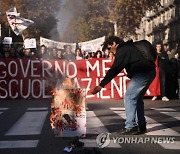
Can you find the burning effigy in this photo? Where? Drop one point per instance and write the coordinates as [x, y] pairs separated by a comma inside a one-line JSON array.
[[68, 110]]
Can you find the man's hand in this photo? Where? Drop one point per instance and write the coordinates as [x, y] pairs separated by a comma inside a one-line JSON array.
[[96, 90]]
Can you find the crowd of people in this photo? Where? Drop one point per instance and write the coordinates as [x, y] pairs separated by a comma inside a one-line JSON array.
[[43, 52], [168, 62]]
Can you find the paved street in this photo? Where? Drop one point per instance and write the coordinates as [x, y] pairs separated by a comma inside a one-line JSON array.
[[25, 128]]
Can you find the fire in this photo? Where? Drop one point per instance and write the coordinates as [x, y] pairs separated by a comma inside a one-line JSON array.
[[68, 104], [67, 83]]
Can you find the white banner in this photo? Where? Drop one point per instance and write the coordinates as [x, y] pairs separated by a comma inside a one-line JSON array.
[[30, 43], [55, 44], [17, 23], [93, 45]]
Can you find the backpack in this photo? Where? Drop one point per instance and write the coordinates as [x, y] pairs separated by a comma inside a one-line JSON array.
[[146, 49]]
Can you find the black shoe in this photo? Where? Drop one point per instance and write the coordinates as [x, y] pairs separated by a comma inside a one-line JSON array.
[[142, 128], [76, 143], [131, 131]]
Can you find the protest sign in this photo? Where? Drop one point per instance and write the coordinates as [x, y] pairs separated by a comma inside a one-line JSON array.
[[7, 40], [30, 43]]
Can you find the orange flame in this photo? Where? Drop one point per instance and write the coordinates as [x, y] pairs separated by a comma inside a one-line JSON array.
[[67, 98]]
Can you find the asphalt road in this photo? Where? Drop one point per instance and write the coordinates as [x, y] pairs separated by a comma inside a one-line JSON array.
[[25, 128]]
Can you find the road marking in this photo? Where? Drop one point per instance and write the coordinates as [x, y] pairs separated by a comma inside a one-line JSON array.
[[156, 128], [153, 126], [29, 124], [94, 125], [120, 111], [92, 143], [37, 108], [3, 108], [118, 108], [163, 109], [174, 146], [175, 115], [18, 144]]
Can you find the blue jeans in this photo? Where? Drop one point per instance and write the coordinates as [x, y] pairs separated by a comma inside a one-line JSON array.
[[133, 99]]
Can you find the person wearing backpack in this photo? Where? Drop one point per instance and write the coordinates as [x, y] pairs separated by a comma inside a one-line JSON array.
[[140, 70]]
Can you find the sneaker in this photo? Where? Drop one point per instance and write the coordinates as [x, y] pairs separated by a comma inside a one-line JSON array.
[[129, 131], [165, 99], [142, 128], [68, 149], [76, 143], [154, 98]]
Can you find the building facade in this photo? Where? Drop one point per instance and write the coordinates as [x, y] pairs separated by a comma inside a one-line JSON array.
[[162, 25]]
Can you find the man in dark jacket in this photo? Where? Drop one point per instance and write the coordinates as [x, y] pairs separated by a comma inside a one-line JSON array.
[[163, 61], [68, 55], [140, 71]]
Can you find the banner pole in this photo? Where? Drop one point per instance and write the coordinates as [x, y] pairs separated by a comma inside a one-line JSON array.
[[9, 32]]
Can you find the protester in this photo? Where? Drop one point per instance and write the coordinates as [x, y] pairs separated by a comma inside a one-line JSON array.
[[172, 76], [83, 54], [98, 54], [6, 48], [42, 54], [6, 54], [168, 51], [177, 56], [163, 61], [111, 55], [140, 71], [78, 54], [93, 55], [59, 54], [68, 55], [14, 53], [1, 56], [33, 53], [106, 53], [53, 53], [103, 54], [87, 55], [49, 53], [27, 53], [21, 52]]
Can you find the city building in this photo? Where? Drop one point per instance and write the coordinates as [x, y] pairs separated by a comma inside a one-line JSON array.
[[162, 24]]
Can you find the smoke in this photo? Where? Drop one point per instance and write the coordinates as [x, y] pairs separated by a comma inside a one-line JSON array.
[[69, 9]]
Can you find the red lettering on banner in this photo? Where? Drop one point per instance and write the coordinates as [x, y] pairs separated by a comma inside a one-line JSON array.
[[25, 78]]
